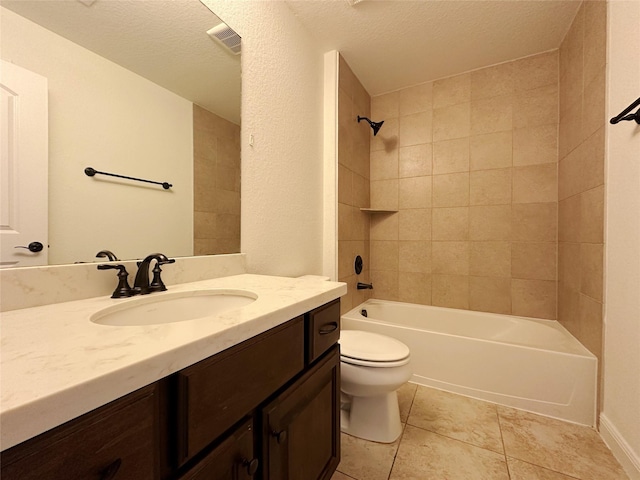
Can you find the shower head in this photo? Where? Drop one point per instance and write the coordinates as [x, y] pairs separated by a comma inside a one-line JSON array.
[[375, 125]]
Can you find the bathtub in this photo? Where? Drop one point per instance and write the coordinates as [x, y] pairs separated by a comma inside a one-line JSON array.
[[525, 363]]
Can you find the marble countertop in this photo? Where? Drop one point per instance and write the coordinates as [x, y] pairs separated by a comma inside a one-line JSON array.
[[55, 364]]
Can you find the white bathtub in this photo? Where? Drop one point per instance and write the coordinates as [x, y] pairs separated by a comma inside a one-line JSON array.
[[525, 363]]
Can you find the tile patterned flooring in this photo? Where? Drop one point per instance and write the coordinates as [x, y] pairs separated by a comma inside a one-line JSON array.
[[451, 437]]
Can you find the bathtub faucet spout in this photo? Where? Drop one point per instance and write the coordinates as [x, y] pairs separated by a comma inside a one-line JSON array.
[[364, 286]]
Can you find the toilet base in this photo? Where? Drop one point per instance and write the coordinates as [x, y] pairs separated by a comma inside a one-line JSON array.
[[375, 418]]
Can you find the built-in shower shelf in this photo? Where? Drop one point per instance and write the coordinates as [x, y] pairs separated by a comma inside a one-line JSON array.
[[378, 210]]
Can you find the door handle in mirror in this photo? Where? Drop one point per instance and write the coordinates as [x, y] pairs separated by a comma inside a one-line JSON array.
[[34, 247]]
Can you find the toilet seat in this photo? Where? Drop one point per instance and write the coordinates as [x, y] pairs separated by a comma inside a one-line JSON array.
[[372, 350]]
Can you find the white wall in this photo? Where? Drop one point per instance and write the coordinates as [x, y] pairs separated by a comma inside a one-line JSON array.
[[282, 107], [104, 116], [620, 420]]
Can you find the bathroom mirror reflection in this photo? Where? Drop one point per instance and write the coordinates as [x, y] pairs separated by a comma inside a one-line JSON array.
[[135, 88]]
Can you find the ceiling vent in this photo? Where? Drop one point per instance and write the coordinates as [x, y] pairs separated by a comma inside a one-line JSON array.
[[225, 35]]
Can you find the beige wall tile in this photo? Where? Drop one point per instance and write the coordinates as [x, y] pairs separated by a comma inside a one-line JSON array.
[[569, 219], [490, 259], [416, 129], [450, 291], [452, 91], [569, 309], [384, 194], [490, 294], [592, 215], [345, 185], [535, 145], [452, 122], [414, 256], [345, 222], [451, 156], [569, 175], [491, 115], [450, 258], [415, 161], [384, 255], [570, 130], [416, 99], [385, 284], [591, 270], [536, 107], [569, 265], [347, 251], [571, 61], [415, 192], [591, 324], [361, 189], [490, 222], [385, 106], [594, 116], [595, 38], [450, 223], [492, 150], [361, 223], [205, 246], [535, 261], [492, 81], [490, 187], [592, 153], [414, 224], [451, 190], [384, 165], [534, 222], [533, 298], [384, 226], [536, 71], [535, 184], [204, 225], [414, 288]]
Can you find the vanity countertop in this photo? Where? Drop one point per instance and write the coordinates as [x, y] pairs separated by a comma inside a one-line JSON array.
[[56, 364]]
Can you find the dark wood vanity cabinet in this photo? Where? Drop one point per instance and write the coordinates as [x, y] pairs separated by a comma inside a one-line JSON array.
[[265, 409], [117, 441]]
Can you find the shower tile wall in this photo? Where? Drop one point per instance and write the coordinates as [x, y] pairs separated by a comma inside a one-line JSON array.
[[353, 184], [581, 176], [470, 163], [216, 152]]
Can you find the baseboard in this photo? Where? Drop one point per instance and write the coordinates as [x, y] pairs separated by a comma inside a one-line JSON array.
[[620, 448]]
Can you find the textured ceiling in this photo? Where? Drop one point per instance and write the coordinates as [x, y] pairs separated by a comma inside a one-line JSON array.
[[164, 41], [393, 44]]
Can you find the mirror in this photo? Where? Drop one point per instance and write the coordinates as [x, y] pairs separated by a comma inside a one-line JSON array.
[[140, 89]]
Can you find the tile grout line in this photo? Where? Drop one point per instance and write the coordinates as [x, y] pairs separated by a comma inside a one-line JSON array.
[[504, 448], [395, 455]]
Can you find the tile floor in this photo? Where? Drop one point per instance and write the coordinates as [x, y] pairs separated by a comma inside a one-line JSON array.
[[451, 437]]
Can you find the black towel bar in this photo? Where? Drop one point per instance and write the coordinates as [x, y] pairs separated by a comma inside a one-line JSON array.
[[90, 172], [633, 116]]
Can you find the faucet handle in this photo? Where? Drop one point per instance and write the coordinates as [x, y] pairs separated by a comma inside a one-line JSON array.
[[123, 289], [157, 285]]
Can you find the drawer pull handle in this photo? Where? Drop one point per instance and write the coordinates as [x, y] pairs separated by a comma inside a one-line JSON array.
[[280, 436], [110, 471], [328, 328], [251, 466]]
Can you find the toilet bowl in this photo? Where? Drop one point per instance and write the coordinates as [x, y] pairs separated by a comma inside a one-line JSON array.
[[372, 368]]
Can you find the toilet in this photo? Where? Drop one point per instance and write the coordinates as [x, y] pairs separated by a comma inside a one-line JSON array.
[[372, 368]]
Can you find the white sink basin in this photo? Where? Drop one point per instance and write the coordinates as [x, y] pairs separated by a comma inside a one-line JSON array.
[[158, 308]]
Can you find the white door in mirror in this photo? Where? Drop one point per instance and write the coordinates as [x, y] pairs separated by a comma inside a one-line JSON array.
[[24, 153]]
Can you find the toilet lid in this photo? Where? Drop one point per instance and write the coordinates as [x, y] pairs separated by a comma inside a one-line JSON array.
[[371, 347]]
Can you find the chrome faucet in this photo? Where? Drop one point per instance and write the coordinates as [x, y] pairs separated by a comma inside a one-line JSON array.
[[141, 284]]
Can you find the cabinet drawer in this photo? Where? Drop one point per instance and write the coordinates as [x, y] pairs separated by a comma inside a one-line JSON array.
[[216, 393], [232, 459], [117, 441], [323, 329]]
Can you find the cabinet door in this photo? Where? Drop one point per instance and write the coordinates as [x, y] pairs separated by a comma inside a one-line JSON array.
[[232, 459], [115, 442], [301, 427]]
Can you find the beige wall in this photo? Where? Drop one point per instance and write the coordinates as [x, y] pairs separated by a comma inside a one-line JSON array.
[[581, 176], [216, 184], [470, 162], [353, 184]]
